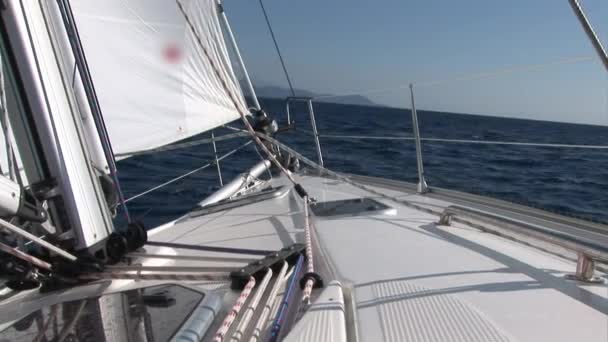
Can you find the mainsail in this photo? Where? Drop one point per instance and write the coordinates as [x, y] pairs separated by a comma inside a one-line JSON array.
[[154, 83]]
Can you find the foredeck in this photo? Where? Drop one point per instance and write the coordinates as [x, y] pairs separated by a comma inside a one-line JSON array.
[[403, 277], [412, 279]]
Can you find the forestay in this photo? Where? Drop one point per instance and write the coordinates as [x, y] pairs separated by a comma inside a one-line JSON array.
[[154, 83]]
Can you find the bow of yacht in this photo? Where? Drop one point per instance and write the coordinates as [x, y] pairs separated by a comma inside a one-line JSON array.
[[306, 254]]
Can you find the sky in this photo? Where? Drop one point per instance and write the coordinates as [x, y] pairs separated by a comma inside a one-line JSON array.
[[354, 46]]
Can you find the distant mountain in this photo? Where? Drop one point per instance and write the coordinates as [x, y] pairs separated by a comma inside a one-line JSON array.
[[359, 100], [280, 92]]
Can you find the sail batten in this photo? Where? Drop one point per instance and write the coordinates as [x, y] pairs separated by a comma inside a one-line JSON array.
[[154, 84]]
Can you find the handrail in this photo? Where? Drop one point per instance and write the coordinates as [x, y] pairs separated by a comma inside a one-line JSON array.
[[173, 180], [422, 187], [587, 250], [313, 122], [458, 141]]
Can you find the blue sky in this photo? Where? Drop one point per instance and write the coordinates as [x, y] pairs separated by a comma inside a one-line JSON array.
[[349, 46]]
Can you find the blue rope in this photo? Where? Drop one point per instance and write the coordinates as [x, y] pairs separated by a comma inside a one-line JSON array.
[[282, 314]]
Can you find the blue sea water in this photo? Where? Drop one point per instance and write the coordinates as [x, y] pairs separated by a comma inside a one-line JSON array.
[[565, 180]]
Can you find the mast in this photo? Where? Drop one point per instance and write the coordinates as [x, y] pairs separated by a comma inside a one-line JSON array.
[[597, 44], [79, 210]]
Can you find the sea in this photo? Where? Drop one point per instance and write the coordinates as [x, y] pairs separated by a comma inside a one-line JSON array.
[[570, 181]]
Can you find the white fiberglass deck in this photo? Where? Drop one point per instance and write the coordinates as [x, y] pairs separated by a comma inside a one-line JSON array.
[[414, 280], [396, 276]]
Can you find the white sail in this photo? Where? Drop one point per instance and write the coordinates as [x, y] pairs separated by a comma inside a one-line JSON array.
[[154, 83]]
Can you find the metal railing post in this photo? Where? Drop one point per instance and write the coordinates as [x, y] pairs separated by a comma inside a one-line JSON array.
[[287, 111], [314, 131], [217, 162], [237, 52], [422, 187]]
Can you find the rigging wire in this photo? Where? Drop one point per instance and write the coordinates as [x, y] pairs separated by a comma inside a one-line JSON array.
[[173, 180], [217, 163], [234, 101], [276, 46], [345, 178], [467, 77], [463, 141]]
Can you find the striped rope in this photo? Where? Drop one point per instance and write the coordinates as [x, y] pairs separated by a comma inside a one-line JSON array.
[[256, 335], [310, 268], [221, 332], [24, 256], [37, 240], [248, 313]]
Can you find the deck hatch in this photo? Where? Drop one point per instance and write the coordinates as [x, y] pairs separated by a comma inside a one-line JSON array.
[[351, 207], [152, 313]]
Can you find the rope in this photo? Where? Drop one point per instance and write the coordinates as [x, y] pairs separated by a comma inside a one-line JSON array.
[[463, 141], [310, 282], [232, 97], [221, 332], [187, 174], [157, 276], [282, 314], [276, 46], [346, 179], [244, 323], [180, 269], [189, 257], [272, 297], [37, 240], [24, 256], [211, 248]]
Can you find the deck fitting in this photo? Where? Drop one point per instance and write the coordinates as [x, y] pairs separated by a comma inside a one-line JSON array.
[[585, 268], [257, 268]]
